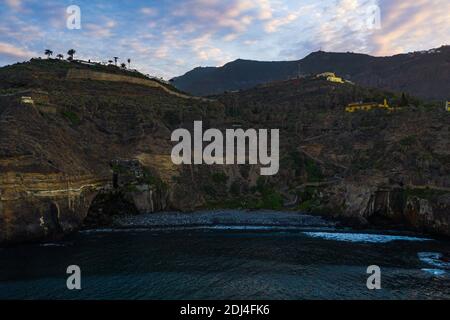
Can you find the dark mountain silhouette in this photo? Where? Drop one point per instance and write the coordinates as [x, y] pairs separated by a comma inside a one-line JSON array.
[[425, 74]]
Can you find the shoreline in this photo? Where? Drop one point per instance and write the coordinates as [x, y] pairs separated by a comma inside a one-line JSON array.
[[222, 217], [250, 219], [236, 220]]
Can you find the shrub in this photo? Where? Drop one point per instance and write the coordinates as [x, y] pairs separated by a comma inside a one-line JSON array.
[[408, 141], [219, 177], [235, 188], [272, 200], [313, 171], [72, 117]]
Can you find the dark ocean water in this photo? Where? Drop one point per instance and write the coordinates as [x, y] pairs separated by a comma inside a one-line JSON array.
[[226, 263]]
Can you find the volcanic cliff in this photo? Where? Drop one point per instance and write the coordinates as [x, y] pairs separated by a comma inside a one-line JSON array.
[[80, 143]]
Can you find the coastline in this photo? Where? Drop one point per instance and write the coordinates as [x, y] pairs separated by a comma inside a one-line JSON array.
[[260, 220], [222, 217]]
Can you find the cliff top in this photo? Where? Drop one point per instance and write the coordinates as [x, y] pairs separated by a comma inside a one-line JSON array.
[[28, 74]]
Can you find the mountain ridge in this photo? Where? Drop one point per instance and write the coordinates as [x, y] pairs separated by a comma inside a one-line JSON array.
[[425, 74]]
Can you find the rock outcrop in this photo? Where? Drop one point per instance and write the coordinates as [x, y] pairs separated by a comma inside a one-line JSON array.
[[38, 205]]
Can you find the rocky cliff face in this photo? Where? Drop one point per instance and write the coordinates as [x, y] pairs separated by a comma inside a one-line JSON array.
[[370, 167], [85, 149], [59, 152], [424, 210]]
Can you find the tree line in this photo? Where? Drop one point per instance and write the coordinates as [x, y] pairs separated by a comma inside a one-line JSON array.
[[71, 54]]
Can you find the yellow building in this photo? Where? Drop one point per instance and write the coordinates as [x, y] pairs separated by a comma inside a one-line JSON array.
[[447, 106], [352, 107], [330, 76], [335, 79], [325, 75], [27, 100]]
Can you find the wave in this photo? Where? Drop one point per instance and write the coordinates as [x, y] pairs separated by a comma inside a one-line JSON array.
[[52, 245], [320, 232], [254, 228], [112, 230], [362, 237], [434, 259], [435, 272]]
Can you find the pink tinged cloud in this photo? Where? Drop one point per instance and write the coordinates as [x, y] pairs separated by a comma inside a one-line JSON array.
[[412, 25], [275, 24], [12, 51], [14, 4]]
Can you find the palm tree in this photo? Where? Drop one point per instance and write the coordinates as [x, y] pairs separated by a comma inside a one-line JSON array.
[[71, 53], [48, 53], [129, 63], [123, 66], [110, 61], [115, 60], [60, 56]]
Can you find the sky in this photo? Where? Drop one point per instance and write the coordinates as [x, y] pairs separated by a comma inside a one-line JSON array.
[[167, 38]]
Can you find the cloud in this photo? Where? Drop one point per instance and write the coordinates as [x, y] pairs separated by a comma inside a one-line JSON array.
[[273, 25], [342, 25], [231, 37], [412, 25], [101, 31], [210, 54], [149, 11], [13, 51], [265, 10], [235, 15], [172, 37], [13, 28], [14, 4], [161, 52]]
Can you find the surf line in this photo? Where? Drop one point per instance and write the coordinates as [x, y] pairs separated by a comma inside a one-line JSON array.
[[231, 150]]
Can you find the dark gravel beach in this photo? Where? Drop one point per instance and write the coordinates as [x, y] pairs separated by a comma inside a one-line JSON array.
[[223, 217]]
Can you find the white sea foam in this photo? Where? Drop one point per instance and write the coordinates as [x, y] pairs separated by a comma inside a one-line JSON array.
[[362, 237], [252, 228], [328, 235], [434, 259], [435, 272], [111, 230], [52, 245]]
